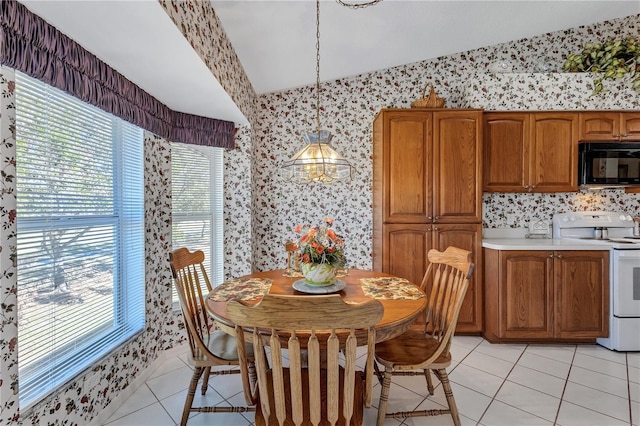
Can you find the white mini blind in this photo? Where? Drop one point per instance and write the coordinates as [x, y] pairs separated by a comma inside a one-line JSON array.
[[197, 205], [80, 235]]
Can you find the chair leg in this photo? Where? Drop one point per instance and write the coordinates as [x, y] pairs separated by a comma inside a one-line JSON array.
[[205, 380], [448, 393], [377, 372], [427, 376], [197, 373], [384, 397]]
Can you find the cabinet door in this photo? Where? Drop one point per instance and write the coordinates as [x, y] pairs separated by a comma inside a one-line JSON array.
[[581, 294], [406, 248], [505, 148], [630, 126], [599, 126], [457, 167], [526, 294], [554, 152], [467, 237], [407, 168]]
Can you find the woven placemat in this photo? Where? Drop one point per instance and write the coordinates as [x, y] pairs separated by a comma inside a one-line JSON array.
[[241, 289], [389, 288]]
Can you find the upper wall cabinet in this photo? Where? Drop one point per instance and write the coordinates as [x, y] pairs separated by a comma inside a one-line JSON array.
[[609, 126], [427, 164], [530, 152]]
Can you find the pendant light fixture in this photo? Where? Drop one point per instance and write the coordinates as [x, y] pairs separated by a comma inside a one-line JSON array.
[[317, 161]]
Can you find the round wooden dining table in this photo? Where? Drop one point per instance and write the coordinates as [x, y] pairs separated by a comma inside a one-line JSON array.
[[399, 313]]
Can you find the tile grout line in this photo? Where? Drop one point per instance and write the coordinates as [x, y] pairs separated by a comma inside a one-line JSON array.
[[501, 385], [564, 388], [599, 390]]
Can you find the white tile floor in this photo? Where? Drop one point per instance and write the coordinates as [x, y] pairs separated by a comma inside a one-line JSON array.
[[493, 385]]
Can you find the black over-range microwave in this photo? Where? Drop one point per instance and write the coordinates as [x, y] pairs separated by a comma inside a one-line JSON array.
[[609, 164]]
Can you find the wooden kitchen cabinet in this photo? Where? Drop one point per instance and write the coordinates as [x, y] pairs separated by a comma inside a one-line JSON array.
[[407, 258], [543, 295], [530, 152], [427, 193], [426, 166], [603, 126]]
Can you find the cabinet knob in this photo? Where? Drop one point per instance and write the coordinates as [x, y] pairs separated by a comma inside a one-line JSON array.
[[430, 217], [551, 255], [526, 187], [437, 218], [625, 135], [435, 229], [559, 256]]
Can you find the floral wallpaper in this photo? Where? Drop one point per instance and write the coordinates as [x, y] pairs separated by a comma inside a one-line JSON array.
[[9, 411], [349, 106], [201, 27], [261, 211]]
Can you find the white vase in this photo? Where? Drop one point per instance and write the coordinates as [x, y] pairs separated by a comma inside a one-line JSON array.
[[319, 273]]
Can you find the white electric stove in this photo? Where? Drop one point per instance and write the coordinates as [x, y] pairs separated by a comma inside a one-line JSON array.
[[614, 231]]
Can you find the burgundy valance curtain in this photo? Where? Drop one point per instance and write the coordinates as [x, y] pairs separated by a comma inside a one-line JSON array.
[[31, 45]]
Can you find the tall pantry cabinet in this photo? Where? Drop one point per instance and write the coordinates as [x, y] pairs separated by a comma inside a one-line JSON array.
[[427, 193]]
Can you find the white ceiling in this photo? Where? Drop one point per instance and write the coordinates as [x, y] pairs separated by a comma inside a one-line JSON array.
[[137, 38], [275, 40]]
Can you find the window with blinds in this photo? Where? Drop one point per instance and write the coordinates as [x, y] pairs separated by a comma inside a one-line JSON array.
[[197, 222], [80, 235]]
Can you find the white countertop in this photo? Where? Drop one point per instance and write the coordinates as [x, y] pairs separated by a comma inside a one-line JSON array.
[[514, 239], [538, 244]]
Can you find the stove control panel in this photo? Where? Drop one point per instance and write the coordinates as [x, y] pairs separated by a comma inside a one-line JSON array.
[[592, 219]]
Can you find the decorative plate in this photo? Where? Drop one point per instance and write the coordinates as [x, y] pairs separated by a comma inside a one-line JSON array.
[[303, 287]]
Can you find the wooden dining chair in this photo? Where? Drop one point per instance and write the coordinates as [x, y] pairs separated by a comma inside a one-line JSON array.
[[419, 351], [209, 347], [323, 331]]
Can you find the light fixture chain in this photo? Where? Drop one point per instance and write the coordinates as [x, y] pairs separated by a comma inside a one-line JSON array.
[[358, 5], [318, 65]]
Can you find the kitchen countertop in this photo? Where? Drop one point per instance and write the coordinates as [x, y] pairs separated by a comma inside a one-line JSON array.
[[538, 244], [515, 239]]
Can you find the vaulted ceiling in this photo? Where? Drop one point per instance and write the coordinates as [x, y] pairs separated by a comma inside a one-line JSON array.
[[275, 40]]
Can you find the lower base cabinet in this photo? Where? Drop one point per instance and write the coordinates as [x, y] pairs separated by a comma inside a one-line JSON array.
[[406, 256], [546, 295]]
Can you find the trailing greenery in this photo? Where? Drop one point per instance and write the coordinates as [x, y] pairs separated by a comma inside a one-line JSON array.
[[614, 58]]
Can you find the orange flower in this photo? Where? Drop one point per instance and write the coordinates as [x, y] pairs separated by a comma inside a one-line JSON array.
[[313, 232], [328, 220], [306, 258], [297, 229], [331, 234], [331, 250], [319, 248], [304, 238]]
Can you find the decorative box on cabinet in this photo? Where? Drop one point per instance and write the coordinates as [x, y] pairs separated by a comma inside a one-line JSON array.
[[427, 193], [544, 295], [530, 152], [603, 126]]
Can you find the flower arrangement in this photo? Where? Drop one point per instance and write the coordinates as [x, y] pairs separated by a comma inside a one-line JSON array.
[[320, 245]]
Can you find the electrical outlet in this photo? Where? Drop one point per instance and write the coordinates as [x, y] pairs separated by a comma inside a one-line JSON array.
[[91, 381]]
